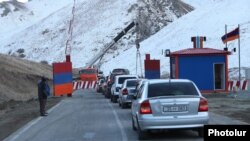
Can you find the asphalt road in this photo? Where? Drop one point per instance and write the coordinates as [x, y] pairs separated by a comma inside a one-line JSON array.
[[88, 116]]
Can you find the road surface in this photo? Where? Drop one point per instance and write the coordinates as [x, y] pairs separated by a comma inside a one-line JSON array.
[[88, 116]]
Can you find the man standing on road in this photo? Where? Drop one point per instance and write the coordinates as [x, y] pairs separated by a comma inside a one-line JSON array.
[[43, 92]]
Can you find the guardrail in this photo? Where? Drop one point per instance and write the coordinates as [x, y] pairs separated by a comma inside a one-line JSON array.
[[234, 85], [84, 85]]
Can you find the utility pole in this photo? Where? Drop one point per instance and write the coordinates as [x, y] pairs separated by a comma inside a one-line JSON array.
[[239, 57], [226, 34], [138, 54]]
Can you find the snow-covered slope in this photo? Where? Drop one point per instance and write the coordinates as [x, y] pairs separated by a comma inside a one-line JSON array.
[[39, 31], [42, 36], [15, 16], [208, 19], [94, 22]]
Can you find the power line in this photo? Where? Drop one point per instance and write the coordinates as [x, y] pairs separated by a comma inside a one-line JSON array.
[[241, 24]]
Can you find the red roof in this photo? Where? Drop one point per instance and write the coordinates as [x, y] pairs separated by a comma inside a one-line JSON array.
[[199, 51]]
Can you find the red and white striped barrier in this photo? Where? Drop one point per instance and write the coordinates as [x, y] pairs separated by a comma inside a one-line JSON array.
[[84, 85], [235, 85]]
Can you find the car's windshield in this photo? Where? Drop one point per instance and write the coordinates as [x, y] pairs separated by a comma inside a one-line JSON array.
[[170, 89]]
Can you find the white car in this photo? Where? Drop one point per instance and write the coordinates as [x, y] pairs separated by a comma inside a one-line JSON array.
[[169, 104], [127, 92], [119, 79]]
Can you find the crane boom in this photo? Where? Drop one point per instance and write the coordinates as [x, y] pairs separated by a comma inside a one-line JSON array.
[[93, 60]]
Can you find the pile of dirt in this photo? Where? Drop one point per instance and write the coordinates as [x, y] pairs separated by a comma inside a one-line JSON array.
[[18, 79], [18, 92], [235, 106], [18, 113]]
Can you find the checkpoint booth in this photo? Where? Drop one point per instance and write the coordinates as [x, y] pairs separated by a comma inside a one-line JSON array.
[[206, 67]]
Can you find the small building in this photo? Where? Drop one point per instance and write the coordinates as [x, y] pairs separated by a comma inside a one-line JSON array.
[[206, 67]]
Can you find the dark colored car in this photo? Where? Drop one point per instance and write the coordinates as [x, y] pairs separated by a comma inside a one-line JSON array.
[[99, 88], [120, 71], [111, 77]]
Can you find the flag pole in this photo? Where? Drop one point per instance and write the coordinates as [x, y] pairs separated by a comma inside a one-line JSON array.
[[226, 33], [239, 57]]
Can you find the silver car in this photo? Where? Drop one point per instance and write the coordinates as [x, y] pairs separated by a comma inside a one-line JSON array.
[[118, 81], [169, 104], [127, 92]]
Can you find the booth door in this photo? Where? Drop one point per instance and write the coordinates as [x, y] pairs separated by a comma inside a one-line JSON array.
[[219, 76]]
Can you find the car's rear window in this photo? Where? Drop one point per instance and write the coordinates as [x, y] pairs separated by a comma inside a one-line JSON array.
[[112, 77], [121, 71], [122, 79], [132, 83], [171, 89]]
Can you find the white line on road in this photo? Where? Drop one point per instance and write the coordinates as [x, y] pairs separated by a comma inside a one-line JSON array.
[[29, 125], [25, 129], [53, 108], [124, 136]]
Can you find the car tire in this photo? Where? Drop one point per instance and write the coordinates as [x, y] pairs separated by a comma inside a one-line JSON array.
[[114, 99], [119, 103], [200, 132], [141, 133], [111, 98], [123, 105], [133, 124], [106, 95]]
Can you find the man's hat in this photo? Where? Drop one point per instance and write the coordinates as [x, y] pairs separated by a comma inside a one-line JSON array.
[[43, 78]]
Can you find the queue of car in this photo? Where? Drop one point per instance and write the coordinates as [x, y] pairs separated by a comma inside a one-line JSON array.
[[158, 103]]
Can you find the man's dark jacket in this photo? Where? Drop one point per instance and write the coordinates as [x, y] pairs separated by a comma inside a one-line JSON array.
[[42, 90]]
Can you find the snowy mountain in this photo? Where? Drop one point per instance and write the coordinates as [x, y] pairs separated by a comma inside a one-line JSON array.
[[208, 19], [16, 16], [42, 33], [38, 34]]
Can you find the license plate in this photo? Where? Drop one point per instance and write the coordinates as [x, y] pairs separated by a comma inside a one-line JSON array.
[[130, 97], [175, 108]]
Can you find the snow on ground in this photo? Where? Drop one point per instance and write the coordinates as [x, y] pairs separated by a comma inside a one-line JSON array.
[[35, 10], [208, 19], [96, 23], [41, 31]]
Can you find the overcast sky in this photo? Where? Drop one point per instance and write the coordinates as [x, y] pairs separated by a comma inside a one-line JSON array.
[[17, 0]]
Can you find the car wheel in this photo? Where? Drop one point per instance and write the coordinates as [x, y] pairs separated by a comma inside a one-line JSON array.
[[133, 124], [111, 98], [123, 105], [141, 133], [119, 103], [114, 99], [118, 100], [200, 132]]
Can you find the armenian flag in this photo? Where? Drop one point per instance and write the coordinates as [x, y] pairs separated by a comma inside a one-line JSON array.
[[231, 35], [62, 78]]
